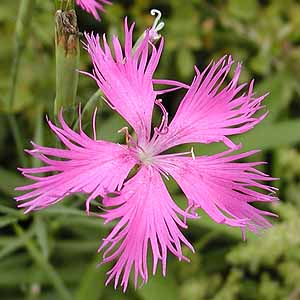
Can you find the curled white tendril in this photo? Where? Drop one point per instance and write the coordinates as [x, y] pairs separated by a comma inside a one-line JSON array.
[[157, 25], [153, 32]]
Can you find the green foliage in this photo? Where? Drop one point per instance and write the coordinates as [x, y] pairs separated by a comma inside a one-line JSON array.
[[51, 254]]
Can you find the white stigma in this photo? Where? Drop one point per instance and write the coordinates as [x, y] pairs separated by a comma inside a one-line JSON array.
[[153, 31], [157, 25]]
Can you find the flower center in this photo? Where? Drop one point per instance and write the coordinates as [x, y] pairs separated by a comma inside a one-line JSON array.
[[145, 156]]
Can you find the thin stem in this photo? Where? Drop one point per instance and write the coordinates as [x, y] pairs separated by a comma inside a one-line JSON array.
[[14, 77], [90, 104], [18, 139], [21, 33], [42, 262], [22, 28], [39, 132]]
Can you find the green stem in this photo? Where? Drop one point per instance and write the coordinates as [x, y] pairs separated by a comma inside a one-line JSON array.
[[40, 260], [22, 29], [14, 77], [39, 132], [18, 139], [89, 106]]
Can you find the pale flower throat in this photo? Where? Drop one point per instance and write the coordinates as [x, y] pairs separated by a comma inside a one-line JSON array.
[[145, 156]]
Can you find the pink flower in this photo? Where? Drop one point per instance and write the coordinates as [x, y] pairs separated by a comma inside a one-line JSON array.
[[93, 6], [147, 217]]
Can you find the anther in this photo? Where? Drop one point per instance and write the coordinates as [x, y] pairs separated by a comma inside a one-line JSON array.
[[127, 136]]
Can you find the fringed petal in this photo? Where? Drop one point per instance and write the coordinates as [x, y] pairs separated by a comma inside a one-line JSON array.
[[209, 113], [93, 6], [147, 218], [86, 165], [125, 78], [222, 187]]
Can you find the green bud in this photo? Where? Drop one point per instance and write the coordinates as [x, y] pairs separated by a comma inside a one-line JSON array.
[[67, 61]]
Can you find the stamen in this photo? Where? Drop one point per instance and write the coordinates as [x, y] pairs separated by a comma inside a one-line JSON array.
[[128, 138], [108, 103], [163, 127], [80, 117], [94, 123], [164, 175], [162, 172], [193, 153], [127, 135]]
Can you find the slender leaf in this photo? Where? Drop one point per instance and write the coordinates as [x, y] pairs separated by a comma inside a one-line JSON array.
[[15, 244], [4, 221], [91, 285], [9, 180]]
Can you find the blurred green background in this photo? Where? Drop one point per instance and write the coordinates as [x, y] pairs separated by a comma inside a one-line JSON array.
[[51, 254]]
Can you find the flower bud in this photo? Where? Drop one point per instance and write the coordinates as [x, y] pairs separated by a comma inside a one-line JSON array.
[[67, 61]]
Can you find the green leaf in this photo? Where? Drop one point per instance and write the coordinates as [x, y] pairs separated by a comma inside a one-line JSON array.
[[185, 62], [280, 88], [92, 285], [42, 235], [49, 270], [11, 211], [160, 287], [9, 181], [78, 246], [108, 129], [4, 221], [245, 9], [86, 221], [78, 217], [15, 244], [207, 224], [59, 210], [267, 137]]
